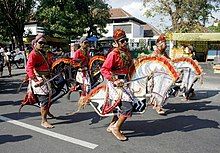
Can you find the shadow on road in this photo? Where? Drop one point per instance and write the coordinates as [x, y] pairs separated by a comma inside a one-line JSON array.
[[11, 138], [78, 117], [13, 103], [178, 123], [186, 106], [21, 115], [201, 94], [15, 74], [10, 86]]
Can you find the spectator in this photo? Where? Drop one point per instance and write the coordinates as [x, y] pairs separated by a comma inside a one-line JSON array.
[[74, 47], [5, 55], [7, 59], [1, 60]]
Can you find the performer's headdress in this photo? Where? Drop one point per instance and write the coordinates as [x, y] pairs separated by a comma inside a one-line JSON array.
[[119, 34], [162, 38], [83, 39], [38, 36], [190, 47]]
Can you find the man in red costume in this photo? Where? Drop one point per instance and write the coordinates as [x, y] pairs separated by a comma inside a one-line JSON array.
[[161, 47], [38, 71], [160, 50], [82, 55], [116, 70]]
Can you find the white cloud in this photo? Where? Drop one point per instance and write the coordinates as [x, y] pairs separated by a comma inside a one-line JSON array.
[[134, 8]]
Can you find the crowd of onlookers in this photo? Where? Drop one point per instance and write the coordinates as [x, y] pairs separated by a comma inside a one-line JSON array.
[[10, 58], [5, 56]]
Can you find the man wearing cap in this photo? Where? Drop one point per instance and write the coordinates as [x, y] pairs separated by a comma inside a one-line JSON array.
[[82, 55], [116, 70], [188, 52], [161, 47], [38, 71]]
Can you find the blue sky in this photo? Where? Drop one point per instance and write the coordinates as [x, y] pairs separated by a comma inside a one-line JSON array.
[[136, 9]]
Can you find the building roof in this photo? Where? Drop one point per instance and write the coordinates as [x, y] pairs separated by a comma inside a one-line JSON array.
[[118, 13], [31, 22], [153, 31]]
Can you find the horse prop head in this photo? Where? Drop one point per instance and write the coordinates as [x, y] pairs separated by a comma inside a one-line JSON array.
[[161, 74], [190, 73]]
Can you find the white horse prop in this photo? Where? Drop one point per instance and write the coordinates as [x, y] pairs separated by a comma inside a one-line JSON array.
[[151, 78], [190, 73]]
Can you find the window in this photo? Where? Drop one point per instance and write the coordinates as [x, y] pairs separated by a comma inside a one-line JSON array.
[[125, 27]]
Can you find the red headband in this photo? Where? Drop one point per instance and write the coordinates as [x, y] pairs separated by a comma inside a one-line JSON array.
[[118, 34], [161, 38], [38, 36]]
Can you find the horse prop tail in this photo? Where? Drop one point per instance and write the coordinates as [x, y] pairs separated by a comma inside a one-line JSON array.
[[80, 105], [85, 99]]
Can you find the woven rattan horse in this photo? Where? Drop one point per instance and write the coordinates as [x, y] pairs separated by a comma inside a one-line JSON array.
[[69, 69], [190, 73], [151, 78]]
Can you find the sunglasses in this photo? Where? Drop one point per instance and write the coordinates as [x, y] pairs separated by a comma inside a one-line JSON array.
[[124, 40], [41, 42]]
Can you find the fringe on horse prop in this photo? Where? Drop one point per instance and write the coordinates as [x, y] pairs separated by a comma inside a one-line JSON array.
[[151, 78]]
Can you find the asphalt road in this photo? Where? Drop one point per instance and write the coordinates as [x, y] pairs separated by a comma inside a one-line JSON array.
[[189, 127]]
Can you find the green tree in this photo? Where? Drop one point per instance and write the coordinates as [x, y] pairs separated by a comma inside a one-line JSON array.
[[186, 15], [13, 15], [214, 28], [72, 18], [4, 29]]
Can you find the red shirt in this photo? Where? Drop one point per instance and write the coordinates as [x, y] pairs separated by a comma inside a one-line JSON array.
[[36, 62], [82, 56], [114, 64]]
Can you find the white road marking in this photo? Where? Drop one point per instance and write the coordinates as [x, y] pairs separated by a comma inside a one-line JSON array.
[[50, 133]]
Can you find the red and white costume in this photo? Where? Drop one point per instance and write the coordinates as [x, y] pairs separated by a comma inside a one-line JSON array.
[[82, 75], [114, 64], [117, 64], [38, 67]]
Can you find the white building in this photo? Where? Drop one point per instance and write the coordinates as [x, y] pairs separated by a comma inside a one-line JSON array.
[[139, 32], [31, 28]]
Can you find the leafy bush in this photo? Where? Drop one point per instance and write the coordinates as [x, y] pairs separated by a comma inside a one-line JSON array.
[[136, 52]]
